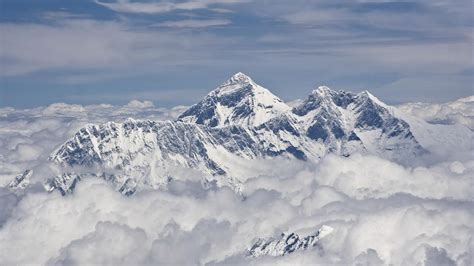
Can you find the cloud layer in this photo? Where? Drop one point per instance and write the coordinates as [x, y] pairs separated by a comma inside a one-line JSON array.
[[98, 225]]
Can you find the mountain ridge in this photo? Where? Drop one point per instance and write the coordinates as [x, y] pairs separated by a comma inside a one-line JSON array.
[[241, 120]]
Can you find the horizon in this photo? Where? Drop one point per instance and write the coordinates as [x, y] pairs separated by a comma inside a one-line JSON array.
[[172, 53], [157, 105]]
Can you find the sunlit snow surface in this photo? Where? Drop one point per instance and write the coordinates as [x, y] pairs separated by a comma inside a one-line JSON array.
[[380, 212]]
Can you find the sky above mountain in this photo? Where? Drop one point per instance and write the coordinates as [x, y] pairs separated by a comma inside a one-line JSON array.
[[174, 52]]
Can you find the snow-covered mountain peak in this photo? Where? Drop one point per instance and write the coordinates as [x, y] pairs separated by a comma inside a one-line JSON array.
[[237, 83], [367, 96], [238, 101], [323, 91], [238, 78], [326, 98], [322, 97]]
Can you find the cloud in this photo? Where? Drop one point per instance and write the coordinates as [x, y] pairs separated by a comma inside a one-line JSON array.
[[110, 243], [86, 45], [431, 226], [127, 6], [8, 201], [388, 15], [63, 109], [460, 111], [197, 244], [376, 178], [58, 15], [98, 225], [138, 104], [25, 152], [194, 23], [77, 43]]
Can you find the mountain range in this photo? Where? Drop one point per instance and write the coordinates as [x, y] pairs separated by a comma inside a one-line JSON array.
[[237, 122]]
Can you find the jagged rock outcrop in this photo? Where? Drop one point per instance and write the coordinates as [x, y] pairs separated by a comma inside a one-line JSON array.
[[21, 181], [287, 243]]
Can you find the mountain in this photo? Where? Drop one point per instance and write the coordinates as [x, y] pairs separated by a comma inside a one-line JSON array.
[[348, 123], [21, 181], [148, 152], [237, 122], [287, 243], [238, 101]]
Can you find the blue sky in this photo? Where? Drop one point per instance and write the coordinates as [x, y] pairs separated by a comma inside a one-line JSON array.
[[174, 52]]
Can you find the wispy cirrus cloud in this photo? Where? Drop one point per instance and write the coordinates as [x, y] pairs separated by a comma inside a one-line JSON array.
[[83, 44], [194, 23], [60, 15], [127, 6], [73, 43]]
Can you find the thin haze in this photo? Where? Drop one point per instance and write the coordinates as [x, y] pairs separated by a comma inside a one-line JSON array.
[[173, 52]]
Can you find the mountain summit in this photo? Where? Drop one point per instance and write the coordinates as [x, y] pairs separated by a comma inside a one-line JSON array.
[[238, 101], [237, 122], [238, 78]]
